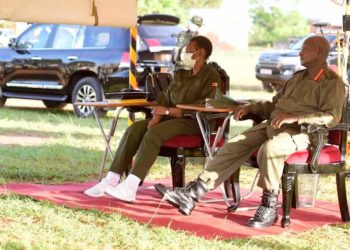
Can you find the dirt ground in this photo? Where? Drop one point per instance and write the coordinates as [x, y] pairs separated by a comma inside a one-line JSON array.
[[22, 138]]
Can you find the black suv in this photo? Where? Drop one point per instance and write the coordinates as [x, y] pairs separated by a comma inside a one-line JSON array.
[[274, 68], [61, 64]]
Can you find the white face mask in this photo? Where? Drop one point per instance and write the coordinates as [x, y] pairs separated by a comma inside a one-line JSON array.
[[187, 60]]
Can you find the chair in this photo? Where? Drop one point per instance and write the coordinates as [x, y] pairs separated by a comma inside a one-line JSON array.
[[326, 158], [178, 148]]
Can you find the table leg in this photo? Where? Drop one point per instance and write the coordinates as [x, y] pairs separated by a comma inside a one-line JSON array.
[[204, 135], [211, 150], [107, 139]]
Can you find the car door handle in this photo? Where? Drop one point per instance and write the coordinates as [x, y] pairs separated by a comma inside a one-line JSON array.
[[36, 58], [72, 58]]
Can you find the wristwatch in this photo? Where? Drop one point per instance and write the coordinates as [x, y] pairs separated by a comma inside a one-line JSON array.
[[167, 112]]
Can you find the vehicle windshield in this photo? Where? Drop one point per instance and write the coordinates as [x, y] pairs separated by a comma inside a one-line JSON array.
[[299, 44]]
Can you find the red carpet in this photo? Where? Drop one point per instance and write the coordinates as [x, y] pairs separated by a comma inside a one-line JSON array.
[[207, 220]]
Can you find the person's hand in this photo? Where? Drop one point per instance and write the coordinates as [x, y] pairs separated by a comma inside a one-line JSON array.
[[154, 121], [176, 112], [159, 110], [241, 111], [283, 118]]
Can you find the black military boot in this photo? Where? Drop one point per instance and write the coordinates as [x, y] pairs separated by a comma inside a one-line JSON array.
[[266, 215], [183, 198]]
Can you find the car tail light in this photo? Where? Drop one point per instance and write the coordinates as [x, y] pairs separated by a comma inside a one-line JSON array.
[[151, 42], [154, 45], [125, 61]]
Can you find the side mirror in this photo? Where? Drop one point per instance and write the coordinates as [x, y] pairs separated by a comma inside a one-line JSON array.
[[12, 43]]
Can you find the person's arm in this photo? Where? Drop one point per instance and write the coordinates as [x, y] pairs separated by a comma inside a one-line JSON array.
[[209, 90], [169, 111], [264, 109], [160, 111]]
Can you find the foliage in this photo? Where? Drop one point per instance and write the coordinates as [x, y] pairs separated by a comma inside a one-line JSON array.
[[7, 25], [271, 23], [178, 8]]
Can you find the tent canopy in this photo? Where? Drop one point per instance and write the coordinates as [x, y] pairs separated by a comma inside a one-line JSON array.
[[119, 13]]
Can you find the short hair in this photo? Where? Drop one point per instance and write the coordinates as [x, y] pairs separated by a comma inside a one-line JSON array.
[[203, 43]]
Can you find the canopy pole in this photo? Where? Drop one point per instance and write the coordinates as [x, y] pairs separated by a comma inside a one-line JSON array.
[[132, 69], [133, 59], [345, 47]]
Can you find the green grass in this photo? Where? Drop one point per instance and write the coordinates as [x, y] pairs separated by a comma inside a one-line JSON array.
[[240, 66], [71, 150]]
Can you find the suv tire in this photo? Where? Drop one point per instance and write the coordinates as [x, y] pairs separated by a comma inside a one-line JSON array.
[[54, 104], [2, 101], [87, 89]]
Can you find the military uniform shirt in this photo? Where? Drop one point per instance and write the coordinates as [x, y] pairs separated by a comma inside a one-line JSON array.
[[187, 88], [314, 102]]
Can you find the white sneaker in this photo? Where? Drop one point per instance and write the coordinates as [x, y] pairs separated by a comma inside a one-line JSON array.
[[122, 192], [99, 189]]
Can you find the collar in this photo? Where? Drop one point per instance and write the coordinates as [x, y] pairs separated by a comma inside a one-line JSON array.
[[322, 74], [200, 73]]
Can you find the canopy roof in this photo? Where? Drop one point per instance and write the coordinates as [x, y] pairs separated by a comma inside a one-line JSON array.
[[121, 13]]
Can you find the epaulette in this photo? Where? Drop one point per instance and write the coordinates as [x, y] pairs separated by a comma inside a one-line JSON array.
[[331, 74]]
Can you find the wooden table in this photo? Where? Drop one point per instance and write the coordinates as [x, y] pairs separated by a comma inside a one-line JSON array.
[[202, 108], [117, 103], [122, 104]]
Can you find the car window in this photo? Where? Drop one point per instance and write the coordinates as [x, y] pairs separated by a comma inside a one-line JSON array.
[[299, 44], [158, 31], [105, 37], [68, 37], [36, 37]]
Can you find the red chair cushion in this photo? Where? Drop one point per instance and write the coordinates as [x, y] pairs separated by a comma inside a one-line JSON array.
[[184, 141], [328, 154], [189, 141]]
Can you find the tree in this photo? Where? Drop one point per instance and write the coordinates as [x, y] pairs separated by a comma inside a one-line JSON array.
[[178, 8], [271, 23]]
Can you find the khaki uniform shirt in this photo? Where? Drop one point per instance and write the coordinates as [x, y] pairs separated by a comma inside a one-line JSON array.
[[314, 102], [188, 89]]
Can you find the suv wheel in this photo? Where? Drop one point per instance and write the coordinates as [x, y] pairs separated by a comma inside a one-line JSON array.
[[2, 101], [54, 104], [87, 89]]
